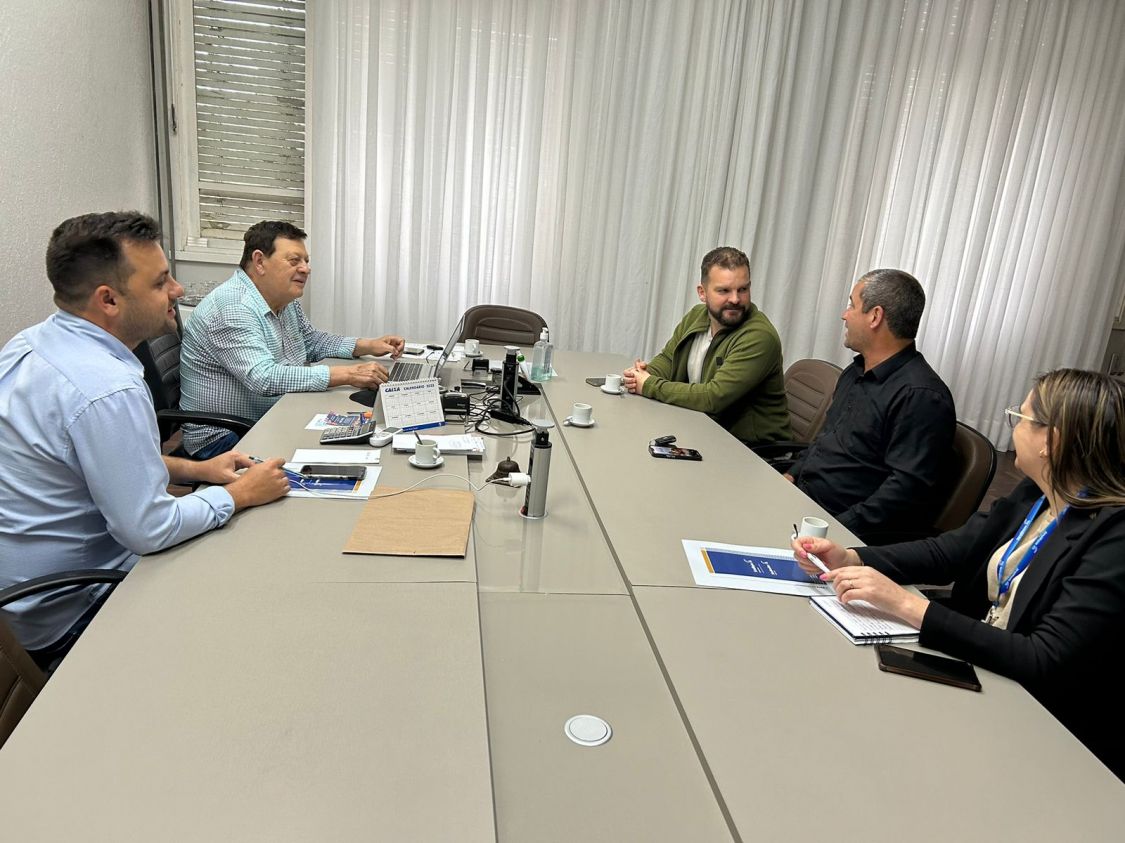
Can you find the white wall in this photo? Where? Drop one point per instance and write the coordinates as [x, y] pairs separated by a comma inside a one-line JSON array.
[[76, 131]]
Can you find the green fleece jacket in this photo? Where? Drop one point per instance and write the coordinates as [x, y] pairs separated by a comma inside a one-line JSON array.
[[743, 385]]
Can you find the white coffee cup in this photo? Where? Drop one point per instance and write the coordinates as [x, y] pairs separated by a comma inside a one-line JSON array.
[[613, 383], [811, 526], [426, 452], [581, 414], [472, 346]]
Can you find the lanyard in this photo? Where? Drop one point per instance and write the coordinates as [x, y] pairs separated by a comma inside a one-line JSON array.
[[1005, 583]]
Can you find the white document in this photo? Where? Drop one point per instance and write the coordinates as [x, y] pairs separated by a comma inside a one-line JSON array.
[[358, 491], [336, 456], [771, 569], [464, 443]]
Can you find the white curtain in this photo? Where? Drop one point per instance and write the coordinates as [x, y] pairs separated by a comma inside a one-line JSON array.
[[579, 157]]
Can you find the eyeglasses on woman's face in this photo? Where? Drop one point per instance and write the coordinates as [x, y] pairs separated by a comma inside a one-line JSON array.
[[1013, 415]]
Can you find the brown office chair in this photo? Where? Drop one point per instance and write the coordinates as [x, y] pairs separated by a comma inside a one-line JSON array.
[[809, 385], [498, 324], [974, 465], [21, 679]]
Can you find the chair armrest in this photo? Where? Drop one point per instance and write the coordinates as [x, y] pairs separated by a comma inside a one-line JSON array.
[[234, 424], [939, 593], [786, 450], [49, 582]]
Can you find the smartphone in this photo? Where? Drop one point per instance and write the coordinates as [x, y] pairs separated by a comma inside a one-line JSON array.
[[673, 453], [324, 471], [596, 381], [927, 666]]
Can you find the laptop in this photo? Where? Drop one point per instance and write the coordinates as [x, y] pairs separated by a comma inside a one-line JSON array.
[[412, 370]]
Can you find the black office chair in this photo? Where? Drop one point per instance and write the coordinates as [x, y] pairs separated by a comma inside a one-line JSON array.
[[161, 359], [499, 324], [21, 679], [809, 386]]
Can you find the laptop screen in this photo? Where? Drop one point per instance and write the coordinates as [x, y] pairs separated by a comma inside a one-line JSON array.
[[453, 338]]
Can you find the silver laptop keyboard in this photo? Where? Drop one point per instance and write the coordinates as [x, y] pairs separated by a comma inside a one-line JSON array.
[[404, 371]]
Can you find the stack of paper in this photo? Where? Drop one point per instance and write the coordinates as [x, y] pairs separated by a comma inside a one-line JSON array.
[[337, 456], [457, 444]]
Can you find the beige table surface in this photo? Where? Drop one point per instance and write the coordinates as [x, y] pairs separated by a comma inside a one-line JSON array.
[[313, 711], [767, 685], [257, 683]]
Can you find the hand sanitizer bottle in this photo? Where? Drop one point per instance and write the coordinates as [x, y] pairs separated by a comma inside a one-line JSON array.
[[542, 358]]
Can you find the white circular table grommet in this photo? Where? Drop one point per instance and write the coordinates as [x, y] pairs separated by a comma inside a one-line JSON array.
[[587, 730]]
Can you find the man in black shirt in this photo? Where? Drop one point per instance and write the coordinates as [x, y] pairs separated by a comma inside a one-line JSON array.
[[879, 462]]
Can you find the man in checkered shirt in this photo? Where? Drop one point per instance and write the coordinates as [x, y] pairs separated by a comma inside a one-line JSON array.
[[249, 341]]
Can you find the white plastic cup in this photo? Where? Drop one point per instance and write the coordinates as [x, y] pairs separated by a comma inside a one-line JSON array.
[[811, 526]]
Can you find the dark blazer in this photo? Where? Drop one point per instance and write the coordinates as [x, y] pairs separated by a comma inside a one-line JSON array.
[[1065, 639]]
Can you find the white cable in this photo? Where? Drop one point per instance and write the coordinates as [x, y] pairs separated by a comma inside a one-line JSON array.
[[435, 477]]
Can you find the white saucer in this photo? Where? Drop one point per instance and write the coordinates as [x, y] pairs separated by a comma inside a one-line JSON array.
[[478, 354], [417, 464], [609, 391], [570, 421]]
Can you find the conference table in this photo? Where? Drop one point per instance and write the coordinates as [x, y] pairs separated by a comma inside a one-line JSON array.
[[257, 683]]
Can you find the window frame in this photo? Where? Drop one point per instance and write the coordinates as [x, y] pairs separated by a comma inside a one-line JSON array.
[[183, 145]]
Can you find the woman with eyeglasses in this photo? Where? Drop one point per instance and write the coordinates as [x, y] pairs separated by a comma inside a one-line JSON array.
[[1038, 580]]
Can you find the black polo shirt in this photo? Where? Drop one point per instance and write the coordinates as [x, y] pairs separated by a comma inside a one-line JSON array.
[[882, 455]]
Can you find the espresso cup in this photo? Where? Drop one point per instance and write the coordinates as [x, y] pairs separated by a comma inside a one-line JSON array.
[[811, 526], [581, 414], [613, 383], [472, 346], [426, 452]]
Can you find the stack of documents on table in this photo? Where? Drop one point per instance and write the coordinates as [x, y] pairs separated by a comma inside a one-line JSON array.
[[463, 443], [340, 489], [336, 456], [862, 623]]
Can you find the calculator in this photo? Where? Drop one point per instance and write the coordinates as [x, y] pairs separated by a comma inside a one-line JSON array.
[[356, 434]]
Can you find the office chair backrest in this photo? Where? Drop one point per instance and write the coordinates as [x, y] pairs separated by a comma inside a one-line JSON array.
[[973, 466], [21, 680], [498, 324], [161, 359], [809, 385]]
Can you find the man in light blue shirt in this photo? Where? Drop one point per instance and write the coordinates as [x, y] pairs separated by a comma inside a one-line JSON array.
[[84, 484], [249, 341]]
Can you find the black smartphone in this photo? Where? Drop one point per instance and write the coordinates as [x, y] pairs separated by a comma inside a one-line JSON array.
[[667, 452], [596, 381], [927, 666], [324, 471]]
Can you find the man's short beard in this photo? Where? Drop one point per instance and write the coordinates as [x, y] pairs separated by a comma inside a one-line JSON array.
[[722, 318]]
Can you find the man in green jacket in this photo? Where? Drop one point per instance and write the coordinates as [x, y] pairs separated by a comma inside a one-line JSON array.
[[724, 357]]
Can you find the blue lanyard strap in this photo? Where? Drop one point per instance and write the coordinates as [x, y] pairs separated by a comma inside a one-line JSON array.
[[1005, 583]]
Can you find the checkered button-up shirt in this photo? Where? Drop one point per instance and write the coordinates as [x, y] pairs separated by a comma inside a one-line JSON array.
[[239, 357]]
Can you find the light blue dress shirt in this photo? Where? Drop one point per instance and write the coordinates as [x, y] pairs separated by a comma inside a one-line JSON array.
[[82, 481], [239, 357]]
